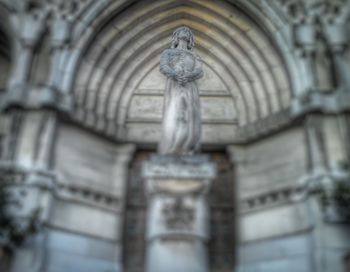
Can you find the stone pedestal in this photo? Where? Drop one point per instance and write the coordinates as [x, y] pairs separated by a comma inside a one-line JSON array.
[[178, 212]]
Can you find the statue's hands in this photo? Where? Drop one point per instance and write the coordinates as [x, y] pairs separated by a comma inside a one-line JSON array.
[[183, 79], [180, 77]]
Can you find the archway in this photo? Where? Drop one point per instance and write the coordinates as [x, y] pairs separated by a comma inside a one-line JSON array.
[[118, 89], [246, 79]]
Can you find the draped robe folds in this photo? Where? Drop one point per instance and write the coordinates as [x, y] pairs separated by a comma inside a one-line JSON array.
[[181, 128]]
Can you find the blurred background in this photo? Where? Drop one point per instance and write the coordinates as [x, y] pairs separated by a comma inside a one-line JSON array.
[[81, 101]]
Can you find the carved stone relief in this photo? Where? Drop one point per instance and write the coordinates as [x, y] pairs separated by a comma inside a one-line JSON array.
[[178, 214]]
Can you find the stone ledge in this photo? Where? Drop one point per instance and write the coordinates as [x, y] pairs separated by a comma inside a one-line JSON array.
[[89, 196], [181, 167], [270, 199]]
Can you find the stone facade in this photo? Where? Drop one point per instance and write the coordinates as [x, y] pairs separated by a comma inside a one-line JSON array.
[[82, 96]]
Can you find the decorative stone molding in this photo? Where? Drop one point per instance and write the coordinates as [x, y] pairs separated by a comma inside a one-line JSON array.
[[325, 102], [119, 79], [273, 198], [319, 40], [88, 196], [264, 127], [244, 134], [106, 197], [328, 166], [29, 140], [32, 20], [37, 189], [326, 187]]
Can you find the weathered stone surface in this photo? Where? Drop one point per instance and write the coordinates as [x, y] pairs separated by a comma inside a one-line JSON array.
[[271, 164], [282, 254], [178, 212], [181, 126], [70, 252], [83, 219], [90, 201], [183, 167], [173, 256], [274, 222], [273, 70], [213, 108], [149, 132], [97, 162]]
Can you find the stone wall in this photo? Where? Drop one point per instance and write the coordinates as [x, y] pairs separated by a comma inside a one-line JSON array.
[[87, 216], [269, 66], [274, 231], [281, 223], [272, 164]]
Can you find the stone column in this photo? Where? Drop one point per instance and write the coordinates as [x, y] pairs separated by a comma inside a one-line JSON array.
[[30, 28], [178, 212]]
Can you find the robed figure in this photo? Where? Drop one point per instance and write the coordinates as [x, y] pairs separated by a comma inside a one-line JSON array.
[[181, 128]]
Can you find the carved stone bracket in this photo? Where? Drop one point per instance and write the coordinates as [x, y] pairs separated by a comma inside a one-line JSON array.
[[26, 205]]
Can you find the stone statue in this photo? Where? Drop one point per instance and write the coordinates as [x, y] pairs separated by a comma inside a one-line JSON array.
[[181, 128]]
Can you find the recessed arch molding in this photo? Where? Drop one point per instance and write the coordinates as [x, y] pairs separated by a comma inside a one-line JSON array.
[[117, 61]]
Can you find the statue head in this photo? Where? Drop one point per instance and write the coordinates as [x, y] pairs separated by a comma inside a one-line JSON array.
[[183, 33]]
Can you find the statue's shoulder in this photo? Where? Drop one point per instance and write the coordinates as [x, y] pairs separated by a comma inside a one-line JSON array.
[[169, 52], [167, 55]]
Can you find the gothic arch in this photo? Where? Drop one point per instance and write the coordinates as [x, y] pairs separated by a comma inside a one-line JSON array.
[[127, 42]]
